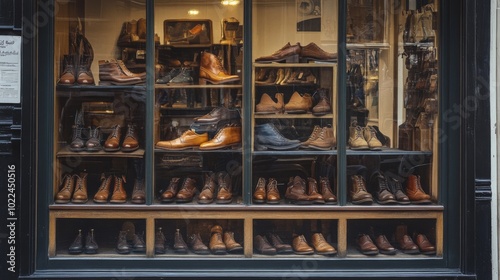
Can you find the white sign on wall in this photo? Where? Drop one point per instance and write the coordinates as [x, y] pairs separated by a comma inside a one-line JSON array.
[[10, 69]]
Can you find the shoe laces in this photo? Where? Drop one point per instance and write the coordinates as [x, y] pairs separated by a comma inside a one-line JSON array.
[[272, 185], [104, 184], [360, 183], [79, 183], [78, 132], [118, 180], [382, 183], [94, 133], [320, 237], [314, 135], [131, 131]]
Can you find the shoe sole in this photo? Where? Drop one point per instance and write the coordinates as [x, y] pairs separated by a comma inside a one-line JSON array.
[[129, 150], [420, 202], [78, 201], [205, 201], [303, 253], [220, 201], [386, 202], [363, 201]]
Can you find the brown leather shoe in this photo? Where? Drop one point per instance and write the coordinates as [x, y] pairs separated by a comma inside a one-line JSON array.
[[359, 195], [299, 104], [314, 135], [313, 193], [268, 106], [259, 195], [218, 114], [130, 142], [187, 190], [415, 192], [206, 195], [169, 194], [406, 244], [425, 245], [276, 242], [66, 190], [197, 245], [217, 246], [296, 191], [119, 194], [112, 143], [366, 246], [323, 106], [187, 140], [271, 78], [111, 73], [326, 191], [262, 246], [228, 136], [211, 70], [224, 192], [180, 245], [325, 140], [300, 246], [128, 73], [160, 242], [288, 52], [141, 28], [397, 190], [312, 51], [138, 192], [231, 245], [102, 194], [273, 194], [384, 246], [321, 246], [80, 194]]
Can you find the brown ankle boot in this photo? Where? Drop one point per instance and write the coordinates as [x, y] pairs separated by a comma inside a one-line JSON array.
[[119, 194], [211, 70]]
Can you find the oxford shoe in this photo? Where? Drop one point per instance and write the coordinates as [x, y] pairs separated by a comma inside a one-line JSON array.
[[407, 246], [384, 246], [228, 136], [211, 70], [232, 246], [224, 192], [425, 245], [288, 52], [321, 246], [80, 193], [366, 245], [187, 140], [359, 195], [262, 246], [415, 192], [299, 103], [313, 51], [259, 194], [119, 194], [169, 194], [272, 192], [77, 143], [300, 246], [103, 192], [130, 142], [187, 190], [66, 189], [313, 192], [280, 246], [207, 193]]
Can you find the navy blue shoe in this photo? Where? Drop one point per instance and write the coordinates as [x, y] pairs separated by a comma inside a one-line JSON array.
[[267, 135]]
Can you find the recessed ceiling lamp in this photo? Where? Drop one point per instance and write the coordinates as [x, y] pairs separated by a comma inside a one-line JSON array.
[[193, 12], [230, 2]]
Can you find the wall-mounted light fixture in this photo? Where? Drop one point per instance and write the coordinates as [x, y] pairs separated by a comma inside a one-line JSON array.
[[193, 12], [230, 2]]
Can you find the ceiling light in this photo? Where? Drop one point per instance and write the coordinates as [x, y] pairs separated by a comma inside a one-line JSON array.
[[230, 2], [193, 12]]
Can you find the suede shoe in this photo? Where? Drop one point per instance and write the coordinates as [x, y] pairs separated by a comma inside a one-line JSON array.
[[370, 136], [299, 104], [325, 140], [268, 106], [356, 138], [314, 135]]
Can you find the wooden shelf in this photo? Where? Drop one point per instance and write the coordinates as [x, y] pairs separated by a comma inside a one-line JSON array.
[[292, 116], [65, 152], [208, 86]]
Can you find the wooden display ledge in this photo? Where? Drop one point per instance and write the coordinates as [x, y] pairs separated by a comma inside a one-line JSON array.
[[65, 152]]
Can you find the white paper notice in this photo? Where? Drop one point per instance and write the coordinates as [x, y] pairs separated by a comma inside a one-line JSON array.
[[10, 69]]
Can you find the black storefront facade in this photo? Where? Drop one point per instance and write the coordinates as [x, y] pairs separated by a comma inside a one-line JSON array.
[[382, 45]]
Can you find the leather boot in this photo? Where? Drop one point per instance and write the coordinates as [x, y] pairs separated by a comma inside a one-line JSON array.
[[68, 74], [229, 135], [141, 28], [356, 138], [119, 194], [122, 246], [268, 106], [299, 104], [224, 192], [415, 192], [77, 246], [187, 190], [66, 189], [93, 144], [276, 242], [259, 195], [207, 193], [211, 70], [217, 246], [138, 244], [406, 244], [91, 246], [359, 195], [296, 191], [325, 140], [138, 192], [112, 143], [160, 242], [380, 185], [80, 194], [169, 194], [77, 143], [197, 245], [268, 136], [130, 142], [313, 193], [323, 106], [180, 245], [326, 191], [397, 190], [272, 193], [262, 246], [321, 246], [370, 136], [110, 72], [102, 194], [314, 135], [84, 75], [300, 246], [231, 245]]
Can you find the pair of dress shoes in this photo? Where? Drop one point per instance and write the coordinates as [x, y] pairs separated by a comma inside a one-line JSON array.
[[119, 194], [285, 76], [369, 247], [137, 244], [266, 192], [292, 53], [228, 136], [218, 187], [297, 192], [319, 245], [271, 244], [73, 188], [130, 141], [87, 246]]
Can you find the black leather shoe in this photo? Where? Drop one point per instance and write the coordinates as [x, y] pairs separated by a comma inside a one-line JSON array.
[[90, 244], [77, 246], [138, 244], [93, 144], [218, 114], [122, 246], [268, 135]]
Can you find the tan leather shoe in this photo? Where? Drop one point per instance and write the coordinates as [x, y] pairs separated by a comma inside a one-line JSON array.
[[356, 138], [299, 104], [268, 106], [187, 190], [325, 140], [169, 194], [102, 194], [289, 52], [323, 106], [259, 195], [67, 187], [211, 70], [415, 192], [313, 192], [366, 245], [326, 191], [321, 246], [112, 143], [187, 140], [231, 245], [119, 195], [228, 136], [224, 193], [111, 73], [370, 136], [314, 135], [313, 51], [300, 246], [216, 245], [296, 191], [130, 142], [80, 194], [207, 193], [272, 193], [359, 195]]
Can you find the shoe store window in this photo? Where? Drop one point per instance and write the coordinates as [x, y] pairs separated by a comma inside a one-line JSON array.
[[179, 132]]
